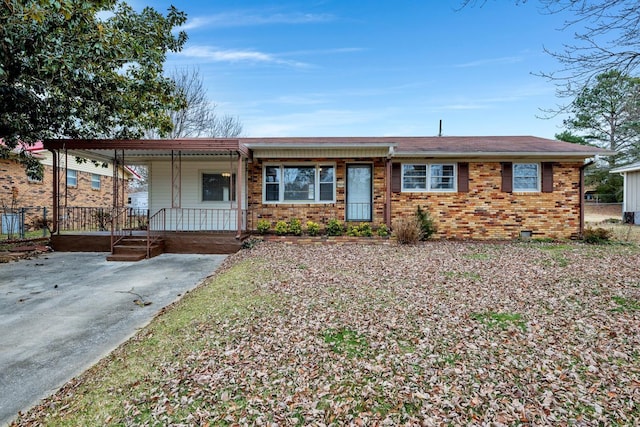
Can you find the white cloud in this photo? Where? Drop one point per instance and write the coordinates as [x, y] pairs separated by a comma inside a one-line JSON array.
[[491, 61], [212, 54], [248, 18]]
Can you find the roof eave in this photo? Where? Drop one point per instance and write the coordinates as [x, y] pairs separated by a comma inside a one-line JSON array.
[[582, 155], [297, 146]]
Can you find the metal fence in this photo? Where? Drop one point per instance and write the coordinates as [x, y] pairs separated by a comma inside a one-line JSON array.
[[24, 223]]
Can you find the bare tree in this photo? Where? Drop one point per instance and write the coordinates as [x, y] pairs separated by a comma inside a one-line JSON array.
[[606, 37], [199, 117]]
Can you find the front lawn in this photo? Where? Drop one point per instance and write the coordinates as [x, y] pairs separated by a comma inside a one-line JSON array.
[[439, 333]]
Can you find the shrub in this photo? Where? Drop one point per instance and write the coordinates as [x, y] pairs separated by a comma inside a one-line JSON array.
[[281, 228], [263, 226], [408, 231], [365, 229], [353, 230], [383, 230], [313, 228], [334, 227], [427, 226], [596, 235], [295, 227]]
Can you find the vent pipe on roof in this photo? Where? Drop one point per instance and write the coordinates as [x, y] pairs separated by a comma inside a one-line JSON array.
[[440, 130]]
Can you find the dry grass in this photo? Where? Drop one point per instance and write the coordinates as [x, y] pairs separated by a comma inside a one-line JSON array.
[[608, 216], [440, 333]]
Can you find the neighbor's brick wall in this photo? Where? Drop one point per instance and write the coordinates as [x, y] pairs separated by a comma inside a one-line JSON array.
[[320, 212], [13, 180], [485, 212]]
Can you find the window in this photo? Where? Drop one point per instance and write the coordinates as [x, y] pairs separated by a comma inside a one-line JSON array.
[[428, 177], [311, 184], [95, 181], [72, 178], [218, 187], [441, 177], [525, 177]]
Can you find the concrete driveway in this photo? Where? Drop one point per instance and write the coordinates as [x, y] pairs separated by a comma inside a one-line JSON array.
[[62, 312]]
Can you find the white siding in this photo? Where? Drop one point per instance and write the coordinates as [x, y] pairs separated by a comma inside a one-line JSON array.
[[88, 166], [191, 195], [632, 193]]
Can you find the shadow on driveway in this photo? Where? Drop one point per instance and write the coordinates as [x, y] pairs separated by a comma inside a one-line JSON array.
[[62, 312]]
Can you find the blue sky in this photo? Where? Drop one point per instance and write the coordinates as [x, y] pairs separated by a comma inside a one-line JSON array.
[[374, 68]]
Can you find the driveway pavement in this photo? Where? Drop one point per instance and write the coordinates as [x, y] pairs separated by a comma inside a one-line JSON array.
[[62, 312]]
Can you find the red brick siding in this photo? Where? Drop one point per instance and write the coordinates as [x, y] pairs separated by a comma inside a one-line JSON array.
[[13, 180], [484, 212], [317, 212]]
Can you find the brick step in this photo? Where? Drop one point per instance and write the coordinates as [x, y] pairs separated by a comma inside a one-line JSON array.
[[126, 257], [135, 249]]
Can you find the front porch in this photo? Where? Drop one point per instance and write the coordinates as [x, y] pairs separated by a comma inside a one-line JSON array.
[[186, 242], [196, 198], [131, 234]]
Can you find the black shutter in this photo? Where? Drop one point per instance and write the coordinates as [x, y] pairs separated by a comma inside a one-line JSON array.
[[547, 177], [507, 177], [463, 177], [396, 177]]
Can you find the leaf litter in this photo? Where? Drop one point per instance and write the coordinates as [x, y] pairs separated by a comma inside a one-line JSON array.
[[437, 333]]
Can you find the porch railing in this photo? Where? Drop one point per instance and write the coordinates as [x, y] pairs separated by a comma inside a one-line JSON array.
[[196, 219], [100, 219], [125, 221]]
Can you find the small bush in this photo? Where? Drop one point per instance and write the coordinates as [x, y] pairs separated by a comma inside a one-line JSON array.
[[313, 228], [250, 243], [426, 223], [334, 227], [353, 230], [366, 230], [263, 226], [281, 228], [383, 230], [408, 231], [596, 235], [295, 227]]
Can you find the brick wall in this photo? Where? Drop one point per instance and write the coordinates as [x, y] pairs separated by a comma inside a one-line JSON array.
[[317, 212], [485, 212], [14, 182]]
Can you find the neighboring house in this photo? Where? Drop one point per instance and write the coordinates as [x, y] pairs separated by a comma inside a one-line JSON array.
[[631, 192], [83, 184], [473, 187], [138, 200]]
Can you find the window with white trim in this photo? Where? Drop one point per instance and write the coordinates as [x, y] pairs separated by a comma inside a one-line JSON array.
[[72, 178], [218, 187], [429, 177], [526, 177], [299, 183], [95, 181]]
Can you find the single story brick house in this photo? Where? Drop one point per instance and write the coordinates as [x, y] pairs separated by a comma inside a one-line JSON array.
[[631, 192], [86, 184], [481, 187]]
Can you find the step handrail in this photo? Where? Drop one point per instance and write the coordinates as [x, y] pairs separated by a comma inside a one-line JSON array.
[[155, 224]]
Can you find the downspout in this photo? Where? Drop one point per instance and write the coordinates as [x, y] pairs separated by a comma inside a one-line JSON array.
[[387, 210], [582, 168], [239, 185], [56, 195]]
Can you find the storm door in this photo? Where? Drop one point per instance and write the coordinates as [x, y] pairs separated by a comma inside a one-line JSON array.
[[359, 192]]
